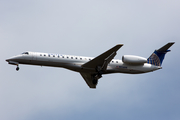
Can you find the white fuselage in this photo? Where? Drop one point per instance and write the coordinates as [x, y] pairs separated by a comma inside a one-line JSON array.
[[75, 63]]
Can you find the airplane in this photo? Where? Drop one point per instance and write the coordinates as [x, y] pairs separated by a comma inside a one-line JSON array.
[[92, 69]]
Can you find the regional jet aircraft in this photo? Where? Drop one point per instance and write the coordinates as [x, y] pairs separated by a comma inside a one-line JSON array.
[[92, 69]]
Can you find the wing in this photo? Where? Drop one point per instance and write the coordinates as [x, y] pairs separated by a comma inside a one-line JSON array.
[[88, 78], [103, 59], [99, 62]]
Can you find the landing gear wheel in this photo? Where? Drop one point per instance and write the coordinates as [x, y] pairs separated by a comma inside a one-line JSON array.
[[17, 68]]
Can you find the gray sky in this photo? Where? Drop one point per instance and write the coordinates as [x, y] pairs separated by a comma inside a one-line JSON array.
[[88, 28]]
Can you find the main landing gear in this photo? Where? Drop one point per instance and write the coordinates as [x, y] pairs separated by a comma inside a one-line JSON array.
[[97, 76], [17, 68], [95, 81]]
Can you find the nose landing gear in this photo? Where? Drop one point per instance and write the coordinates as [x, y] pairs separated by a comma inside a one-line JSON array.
[[17, 67]]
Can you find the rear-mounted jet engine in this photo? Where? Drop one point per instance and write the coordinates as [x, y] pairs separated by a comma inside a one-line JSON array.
[[131, 59]]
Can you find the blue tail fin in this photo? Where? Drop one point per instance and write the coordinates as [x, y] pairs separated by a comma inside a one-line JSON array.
[[158, 56]]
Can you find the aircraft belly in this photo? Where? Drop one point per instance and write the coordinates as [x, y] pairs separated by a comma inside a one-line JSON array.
[[64, 64]]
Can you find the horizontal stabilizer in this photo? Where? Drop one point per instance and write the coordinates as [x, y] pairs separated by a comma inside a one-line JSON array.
[[165, 47]]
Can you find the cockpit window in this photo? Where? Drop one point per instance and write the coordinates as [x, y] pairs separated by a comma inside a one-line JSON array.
[[25, 53]]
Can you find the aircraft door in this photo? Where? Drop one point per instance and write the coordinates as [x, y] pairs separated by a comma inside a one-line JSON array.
[[34, 56]]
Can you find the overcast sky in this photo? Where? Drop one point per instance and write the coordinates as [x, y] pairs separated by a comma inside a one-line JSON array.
[[88, 28]]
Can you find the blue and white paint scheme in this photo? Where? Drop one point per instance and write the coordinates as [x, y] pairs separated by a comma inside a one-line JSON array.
[[91, 68]]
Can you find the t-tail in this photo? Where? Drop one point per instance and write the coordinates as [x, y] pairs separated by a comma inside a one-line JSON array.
[[158, 56]]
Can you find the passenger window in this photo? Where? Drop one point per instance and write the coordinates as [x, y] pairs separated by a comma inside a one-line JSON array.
[[116, 61], [71, 57], [62, 56], [67, 57], [53, 55], [44, 55], [76, 57], [40, 55], [80, 58], [49, 55]]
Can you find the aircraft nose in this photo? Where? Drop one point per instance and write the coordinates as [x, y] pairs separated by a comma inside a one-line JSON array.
[[9, 59], [12, 59]]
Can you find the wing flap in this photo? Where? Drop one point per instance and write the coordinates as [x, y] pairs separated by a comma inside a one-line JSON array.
[[107, 60]]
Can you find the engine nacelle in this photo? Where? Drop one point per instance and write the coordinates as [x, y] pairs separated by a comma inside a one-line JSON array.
[[131, 59]]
